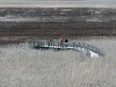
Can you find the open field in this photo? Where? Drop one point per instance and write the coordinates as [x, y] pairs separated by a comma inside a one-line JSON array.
[[21, 66]]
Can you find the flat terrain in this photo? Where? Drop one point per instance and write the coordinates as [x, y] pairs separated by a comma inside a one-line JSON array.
[[21, 66], [22, 20], [18, 24]]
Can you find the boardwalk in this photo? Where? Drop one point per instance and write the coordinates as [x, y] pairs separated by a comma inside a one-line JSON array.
[[87, 49]]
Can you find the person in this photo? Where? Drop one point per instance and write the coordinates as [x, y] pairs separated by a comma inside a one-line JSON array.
[[66, 40], [61, 40], [51, 41]]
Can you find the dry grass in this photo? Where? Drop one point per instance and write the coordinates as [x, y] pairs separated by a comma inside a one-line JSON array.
[[21, 66]]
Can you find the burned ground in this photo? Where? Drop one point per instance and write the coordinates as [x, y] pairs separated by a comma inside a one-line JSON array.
[[55, 22]]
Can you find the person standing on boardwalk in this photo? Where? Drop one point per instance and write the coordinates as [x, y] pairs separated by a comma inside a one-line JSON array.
[[61, 40]]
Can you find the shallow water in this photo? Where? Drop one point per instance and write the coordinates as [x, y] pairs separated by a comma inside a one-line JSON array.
[[58, 3]]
